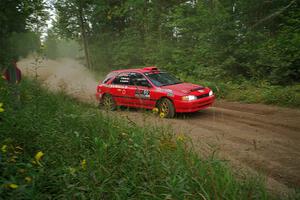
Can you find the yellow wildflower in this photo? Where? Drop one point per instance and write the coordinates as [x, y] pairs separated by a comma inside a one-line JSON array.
[[38, 156], [4, 148], [181, 138], [155, 110], [162, 115], [1, 109], [28, 179], [83, 164], [13, 186]]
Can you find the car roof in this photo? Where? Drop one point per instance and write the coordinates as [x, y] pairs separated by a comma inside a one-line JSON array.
[[140, 70]]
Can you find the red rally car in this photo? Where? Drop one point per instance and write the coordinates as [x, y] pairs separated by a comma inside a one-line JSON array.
[[151, 88]]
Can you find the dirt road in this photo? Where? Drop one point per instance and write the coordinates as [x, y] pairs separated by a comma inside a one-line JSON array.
[[262, 139]]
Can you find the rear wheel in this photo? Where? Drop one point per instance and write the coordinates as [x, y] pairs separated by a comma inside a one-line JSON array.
[[166, 108], [108, 102]]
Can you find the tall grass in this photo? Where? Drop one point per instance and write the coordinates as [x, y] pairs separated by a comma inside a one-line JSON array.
[[90, 155]]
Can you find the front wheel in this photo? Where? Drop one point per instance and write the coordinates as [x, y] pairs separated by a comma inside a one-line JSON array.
[[108, 102], [166, 108]]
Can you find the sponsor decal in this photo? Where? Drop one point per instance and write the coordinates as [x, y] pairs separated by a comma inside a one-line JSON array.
[[170, 94], [168, 91], [145, 94], [118, 86], [200, 90]]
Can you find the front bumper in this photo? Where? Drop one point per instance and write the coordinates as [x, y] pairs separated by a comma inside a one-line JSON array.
[[193, 106]]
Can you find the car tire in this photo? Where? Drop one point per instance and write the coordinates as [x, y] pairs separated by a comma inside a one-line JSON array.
[[108, 103], [166, 107]]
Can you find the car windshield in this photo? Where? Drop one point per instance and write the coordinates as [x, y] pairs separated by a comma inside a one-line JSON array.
[[162, 79]]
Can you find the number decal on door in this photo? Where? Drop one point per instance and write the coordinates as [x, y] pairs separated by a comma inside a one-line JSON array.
[[142, 94]]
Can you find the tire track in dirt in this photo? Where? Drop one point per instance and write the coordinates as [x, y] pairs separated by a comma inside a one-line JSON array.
[[253, 137]]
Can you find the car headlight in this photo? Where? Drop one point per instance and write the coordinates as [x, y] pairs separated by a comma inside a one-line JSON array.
[[189, 98], [210, 93]]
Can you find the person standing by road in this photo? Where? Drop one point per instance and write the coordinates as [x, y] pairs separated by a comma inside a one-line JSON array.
[[12, 74]]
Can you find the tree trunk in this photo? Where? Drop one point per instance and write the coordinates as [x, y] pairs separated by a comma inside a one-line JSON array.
[[84, 37]]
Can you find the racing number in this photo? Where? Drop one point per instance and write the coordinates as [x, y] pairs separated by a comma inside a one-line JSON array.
[[142, 94]]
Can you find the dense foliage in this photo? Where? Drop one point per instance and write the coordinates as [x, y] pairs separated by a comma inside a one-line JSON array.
[[206, 39], [57, 148], [21, 23]]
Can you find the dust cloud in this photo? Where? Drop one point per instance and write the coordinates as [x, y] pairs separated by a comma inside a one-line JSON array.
[[65, 74]]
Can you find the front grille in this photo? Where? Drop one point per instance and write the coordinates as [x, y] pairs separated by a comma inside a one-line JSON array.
[[202, 96]]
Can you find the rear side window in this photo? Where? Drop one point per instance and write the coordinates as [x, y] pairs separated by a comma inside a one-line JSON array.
[[131, 78], [109, 77], [122, 79]]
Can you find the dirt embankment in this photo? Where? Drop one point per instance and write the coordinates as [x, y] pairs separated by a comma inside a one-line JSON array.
[[259, 138]]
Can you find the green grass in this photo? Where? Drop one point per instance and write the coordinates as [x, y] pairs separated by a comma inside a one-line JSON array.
[[90, 155]]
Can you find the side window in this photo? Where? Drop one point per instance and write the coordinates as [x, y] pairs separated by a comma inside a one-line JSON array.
[[122, 79], [108, 77], [139, 80]]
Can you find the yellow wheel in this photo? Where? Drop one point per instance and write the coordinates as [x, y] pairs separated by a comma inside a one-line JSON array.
[[166, 108], [108, 102]]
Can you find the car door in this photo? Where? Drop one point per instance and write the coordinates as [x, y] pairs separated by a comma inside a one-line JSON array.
[[118, 88], [143, 91]]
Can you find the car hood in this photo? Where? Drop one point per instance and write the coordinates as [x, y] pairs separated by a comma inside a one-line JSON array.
[[185, 88]]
